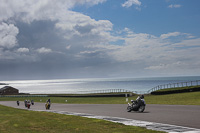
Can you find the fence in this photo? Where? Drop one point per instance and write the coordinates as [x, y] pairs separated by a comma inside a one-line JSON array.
[[112, 91], [175, 85], [106, 91]]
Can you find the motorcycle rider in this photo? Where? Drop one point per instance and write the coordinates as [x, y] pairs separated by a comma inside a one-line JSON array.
[[18, 103], [32, 102], [48, 104], [138, 102], [25, 103], [49, 101], [28, 104]]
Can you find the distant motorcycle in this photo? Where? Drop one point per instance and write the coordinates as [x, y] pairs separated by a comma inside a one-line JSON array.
[[28, 104], [138, 105]]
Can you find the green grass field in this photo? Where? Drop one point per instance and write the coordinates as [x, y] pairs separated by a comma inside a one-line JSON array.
[[192, 98], [23, 121]]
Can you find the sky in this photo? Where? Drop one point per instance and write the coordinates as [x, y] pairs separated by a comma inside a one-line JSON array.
[[47, 39]]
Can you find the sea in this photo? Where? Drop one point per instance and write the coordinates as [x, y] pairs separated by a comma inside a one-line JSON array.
[[92, 85]]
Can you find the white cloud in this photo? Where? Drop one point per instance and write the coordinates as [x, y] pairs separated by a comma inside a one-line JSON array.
[[166, 66], [30, 10], [69, 22], [89, 2], [8, 33], [171, 34], [23, 50], [139, 47], [77, 24], [160, 66], [68, 47], [188, 43], [174, 6], [175, 34], [72, 23], [129, 3], [44, 50]]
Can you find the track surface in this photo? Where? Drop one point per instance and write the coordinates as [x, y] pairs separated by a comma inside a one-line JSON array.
[[180, 115]]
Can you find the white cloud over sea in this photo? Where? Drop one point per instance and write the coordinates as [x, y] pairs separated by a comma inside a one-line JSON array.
[[47, 38]]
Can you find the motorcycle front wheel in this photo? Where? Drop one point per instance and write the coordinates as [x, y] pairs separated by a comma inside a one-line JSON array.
[[129, 109]]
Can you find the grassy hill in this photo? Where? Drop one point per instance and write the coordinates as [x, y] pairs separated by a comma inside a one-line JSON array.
[[176, 90]]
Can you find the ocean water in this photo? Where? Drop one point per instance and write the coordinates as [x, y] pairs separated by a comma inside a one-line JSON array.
[[77, 86]]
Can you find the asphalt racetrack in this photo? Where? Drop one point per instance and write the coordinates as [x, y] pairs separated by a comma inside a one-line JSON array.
[[180, 115]]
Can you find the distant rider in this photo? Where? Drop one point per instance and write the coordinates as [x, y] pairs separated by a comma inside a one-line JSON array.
[[49, 101], [48, 104], [32, 102], [28, 104], [18, 103], [25, 103]]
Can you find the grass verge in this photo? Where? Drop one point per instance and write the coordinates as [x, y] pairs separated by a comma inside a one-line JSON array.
[[191, 98], [23, 121]]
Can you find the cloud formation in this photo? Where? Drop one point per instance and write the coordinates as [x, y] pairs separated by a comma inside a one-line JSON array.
[[129, 3], [23, 50], [44, 50], [8, 33], [156, 53], [48, 39]]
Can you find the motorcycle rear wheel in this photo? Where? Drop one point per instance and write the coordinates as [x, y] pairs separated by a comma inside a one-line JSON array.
[[141, 109]]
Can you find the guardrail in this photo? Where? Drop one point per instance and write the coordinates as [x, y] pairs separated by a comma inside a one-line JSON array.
[[175, 85]]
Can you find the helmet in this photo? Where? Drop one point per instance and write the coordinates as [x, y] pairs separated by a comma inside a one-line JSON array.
[[132, 101], [142, 96]]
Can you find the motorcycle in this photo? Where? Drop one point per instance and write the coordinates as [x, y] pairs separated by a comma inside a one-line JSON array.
[[138, 105], [47, 105]]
